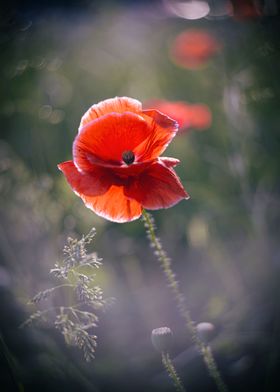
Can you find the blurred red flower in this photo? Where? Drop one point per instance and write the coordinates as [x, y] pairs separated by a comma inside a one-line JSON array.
[[245, 9], [116, 168], [189, 116], [193, 48], [200, 116]]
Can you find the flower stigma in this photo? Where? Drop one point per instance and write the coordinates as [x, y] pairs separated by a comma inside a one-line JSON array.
[[128, 157]]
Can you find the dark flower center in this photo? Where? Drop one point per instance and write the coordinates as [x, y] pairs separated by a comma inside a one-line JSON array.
[[128, 157]]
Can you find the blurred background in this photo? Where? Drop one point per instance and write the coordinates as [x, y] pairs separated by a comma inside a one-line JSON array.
[[213, 66]]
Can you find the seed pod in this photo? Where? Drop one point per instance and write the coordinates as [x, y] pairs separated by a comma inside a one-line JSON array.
[[205, 331], [162, 339]]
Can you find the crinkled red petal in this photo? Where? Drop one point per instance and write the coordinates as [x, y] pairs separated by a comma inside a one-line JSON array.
[[169, 162], [112, 105], [157, 187], [114, 205], [163, 130], [94, 183], [104, 140], [136, 169], [177, 110], [102, 192]]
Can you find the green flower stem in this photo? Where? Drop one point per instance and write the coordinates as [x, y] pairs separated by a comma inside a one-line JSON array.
[[167, 363], [165, 263]]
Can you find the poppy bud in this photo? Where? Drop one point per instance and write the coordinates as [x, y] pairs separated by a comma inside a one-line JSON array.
[[162, 339], [205, 331]]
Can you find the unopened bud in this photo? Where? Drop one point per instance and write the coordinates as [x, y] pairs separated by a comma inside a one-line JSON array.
[[162, 339], [205, 331]]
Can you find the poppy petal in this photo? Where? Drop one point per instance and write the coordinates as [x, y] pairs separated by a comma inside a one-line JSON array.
[[94, 183], [163, 130], [112, 105], [102, 192], [157, 187], [178, 110], [169, 162], [114, 205], [138, 168], [105, 139]]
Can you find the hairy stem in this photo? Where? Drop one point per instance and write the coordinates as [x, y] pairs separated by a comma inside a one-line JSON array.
[[167, 363], [165, 263]]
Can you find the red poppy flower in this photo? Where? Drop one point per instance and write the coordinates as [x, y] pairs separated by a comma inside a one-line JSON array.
[[189, 116], [116, 168], [193, 48]]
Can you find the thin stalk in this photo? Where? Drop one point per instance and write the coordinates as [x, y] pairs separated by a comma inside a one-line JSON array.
[[167, 363], [166, 265]]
